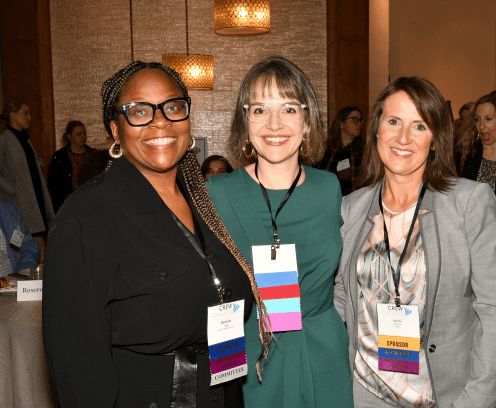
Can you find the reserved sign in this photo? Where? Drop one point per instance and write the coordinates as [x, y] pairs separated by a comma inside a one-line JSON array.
[[29, 290]]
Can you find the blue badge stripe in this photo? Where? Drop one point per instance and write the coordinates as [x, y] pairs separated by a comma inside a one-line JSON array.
[[265, 280], [406, 355], [283, 305], [226, 348]]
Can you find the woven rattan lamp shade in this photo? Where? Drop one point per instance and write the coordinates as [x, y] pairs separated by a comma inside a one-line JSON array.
[[197, 71], [236, 17]]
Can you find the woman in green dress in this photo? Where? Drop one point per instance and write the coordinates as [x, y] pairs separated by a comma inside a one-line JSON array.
[[269, 204]]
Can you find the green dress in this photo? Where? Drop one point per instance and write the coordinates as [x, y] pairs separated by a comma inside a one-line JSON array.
[[307, 368]]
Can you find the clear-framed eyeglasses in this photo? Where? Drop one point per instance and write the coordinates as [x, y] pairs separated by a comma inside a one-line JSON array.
[[287, 112], [356, 120], [143, 113]]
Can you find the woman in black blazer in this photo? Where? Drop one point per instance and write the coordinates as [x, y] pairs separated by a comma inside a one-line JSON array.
[[131, 259]]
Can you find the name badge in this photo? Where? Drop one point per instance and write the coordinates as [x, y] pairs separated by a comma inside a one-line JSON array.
[[226, 342], [16, 240], [343, 169], [399, 338], [277, 281]]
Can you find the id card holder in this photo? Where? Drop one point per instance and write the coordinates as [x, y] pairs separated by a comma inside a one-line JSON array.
[[277, 282], [226, 342], [343, 169], [399, 338], [16, 240]]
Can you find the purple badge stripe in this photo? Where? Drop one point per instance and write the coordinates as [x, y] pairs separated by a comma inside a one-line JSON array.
[[401, 366], [228, 362]]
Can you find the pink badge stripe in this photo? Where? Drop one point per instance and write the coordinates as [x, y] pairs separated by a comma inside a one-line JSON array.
[[285, 321], [228, 362]]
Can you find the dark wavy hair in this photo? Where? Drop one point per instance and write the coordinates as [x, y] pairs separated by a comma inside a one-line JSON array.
[[335, 142], [469, 140], [291, 83], [440, 173], [215, 157], [190, 169]]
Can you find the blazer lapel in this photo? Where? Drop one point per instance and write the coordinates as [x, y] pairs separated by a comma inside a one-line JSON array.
[[368, 205], [431, 245]]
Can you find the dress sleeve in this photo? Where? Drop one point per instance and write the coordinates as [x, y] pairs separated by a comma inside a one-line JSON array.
[[76, 325], [480, 224]]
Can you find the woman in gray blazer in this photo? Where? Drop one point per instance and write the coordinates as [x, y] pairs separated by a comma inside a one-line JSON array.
[[416, 281], [21, 179]]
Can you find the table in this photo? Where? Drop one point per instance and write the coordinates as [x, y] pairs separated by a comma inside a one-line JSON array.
[[24, 377]]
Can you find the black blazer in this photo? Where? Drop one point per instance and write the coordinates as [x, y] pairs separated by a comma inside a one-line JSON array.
[[123, 286]]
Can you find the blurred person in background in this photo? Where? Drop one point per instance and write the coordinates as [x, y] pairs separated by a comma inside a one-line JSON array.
[[214, 165], [21, 180], [476, 155], [66, 163], [344, 148], [18, 249]]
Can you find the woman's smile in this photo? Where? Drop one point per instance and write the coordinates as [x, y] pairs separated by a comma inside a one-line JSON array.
[[275, 140], [160, 141]]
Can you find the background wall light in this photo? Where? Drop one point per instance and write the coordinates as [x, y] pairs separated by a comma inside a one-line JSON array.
[[236, 17], [196, 70]]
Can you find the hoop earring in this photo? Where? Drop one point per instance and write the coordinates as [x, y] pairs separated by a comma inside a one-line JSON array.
[[192, 145], [301, 148], [112, 152], [248, 143]]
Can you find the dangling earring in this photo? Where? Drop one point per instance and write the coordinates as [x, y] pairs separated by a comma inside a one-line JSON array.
[[478, 136], [248, 143], [112, 153], [302, 146], [192, 144]]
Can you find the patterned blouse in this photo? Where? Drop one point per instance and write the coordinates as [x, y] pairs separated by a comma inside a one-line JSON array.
[[376, 285], [487, 172]]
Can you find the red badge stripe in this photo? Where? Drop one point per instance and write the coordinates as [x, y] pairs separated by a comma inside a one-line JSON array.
[[280, 292]]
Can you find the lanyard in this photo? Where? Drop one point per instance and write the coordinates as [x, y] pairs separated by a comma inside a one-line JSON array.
[[397, 273], [201, 251], [277, 241]]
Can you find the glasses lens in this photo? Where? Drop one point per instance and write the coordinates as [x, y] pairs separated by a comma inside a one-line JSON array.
[[290, 113], [258, 113], [176, 110], [140, 114]]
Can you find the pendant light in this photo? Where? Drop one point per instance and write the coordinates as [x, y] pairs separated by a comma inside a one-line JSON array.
[[237, 17], [196, 70]]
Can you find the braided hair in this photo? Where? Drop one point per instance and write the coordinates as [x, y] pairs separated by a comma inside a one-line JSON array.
[[112, 88], [190, 169]]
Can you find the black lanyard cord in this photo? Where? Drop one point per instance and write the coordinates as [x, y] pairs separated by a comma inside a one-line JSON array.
[[277, 241], [397, 273], [200, 250]]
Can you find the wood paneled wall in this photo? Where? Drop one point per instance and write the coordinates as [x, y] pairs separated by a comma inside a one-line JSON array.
[[27, 63]]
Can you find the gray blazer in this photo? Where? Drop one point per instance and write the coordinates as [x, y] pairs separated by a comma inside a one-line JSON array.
[[16, 185], [459, 239]]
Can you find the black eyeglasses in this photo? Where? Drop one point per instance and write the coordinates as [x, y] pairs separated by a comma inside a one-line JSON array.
[[143, 113], [356, 120]]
